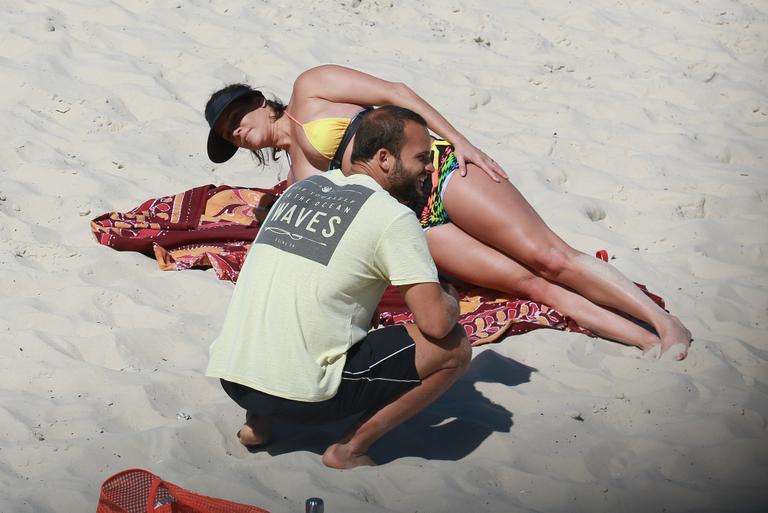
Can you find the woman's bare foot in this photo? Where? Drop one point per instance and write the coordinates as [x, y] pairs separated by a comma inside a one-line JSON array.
[[645, 343], [675, 338], [342, 456]]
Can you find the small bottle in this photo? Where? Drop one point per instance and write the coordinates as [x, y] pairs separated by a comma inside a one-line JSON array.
[[314, 505]]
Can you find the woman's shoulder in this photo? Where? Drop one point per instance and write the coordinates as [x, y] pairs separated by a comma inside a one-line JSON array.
[[308, 81], [320, 72], [307, 102]]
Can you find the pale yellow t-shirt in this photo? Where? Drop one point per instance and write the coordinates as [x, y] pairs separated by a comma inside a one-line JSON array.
[[311, 282]]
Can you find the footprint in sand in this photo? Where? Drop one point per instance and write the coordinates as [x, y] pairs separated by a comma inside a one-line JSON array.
[[610, 460], [594, 212], [693, 210]]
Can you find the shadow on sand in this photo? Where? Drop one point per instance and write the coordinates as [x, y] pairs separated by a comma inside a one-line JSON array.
[[449, 429]]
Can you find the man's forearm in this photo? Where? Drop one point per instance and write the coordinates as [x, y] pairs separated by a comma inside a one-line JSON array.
[[451, 302], [435, 307]]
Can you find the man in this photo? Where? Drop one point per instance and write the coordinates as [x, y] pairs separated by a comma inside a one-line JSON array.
[[295, 344]]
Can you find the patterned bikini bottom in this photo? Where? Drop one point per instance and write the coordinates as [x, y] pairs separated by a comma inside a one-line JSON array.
[[432, 213]]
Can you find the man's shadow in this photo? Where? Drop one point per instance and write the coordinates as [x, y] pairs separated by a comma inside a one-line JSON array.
[[449, 429]]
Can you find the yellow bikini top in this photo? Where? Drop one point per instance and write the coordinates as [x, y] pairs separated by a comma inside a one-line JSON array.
[[324, 134]]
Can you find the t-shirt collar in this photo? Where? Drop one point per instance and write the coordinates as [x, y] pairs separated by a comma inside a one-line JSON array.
[[359, 178]]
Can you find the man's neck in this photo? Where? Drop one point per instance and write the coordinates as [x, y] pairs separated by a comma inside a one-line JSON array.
[[365, 168]]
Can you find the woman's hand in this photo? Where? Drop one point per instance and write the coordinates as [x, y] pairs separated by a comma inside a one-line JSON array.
[[466, 152]]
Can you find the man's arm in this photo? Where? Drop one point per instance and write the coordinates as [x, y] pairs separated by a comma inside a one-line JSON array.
[[435, 308]]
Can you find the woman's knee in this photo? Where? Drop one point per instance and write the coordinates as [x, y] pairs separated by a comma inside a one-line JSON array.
[[551, 262]]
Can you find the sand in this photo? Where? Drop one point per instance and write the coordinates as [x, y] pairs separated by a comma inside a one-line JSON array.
[[636, 127]]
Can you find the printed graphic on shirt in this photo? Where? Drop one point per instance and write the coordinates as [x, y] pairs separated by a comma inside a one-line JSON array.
[[311, 217]]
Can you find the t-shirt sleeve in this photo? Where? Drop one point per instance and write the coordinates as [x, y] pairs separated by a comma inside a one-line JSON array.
[[402, 255]]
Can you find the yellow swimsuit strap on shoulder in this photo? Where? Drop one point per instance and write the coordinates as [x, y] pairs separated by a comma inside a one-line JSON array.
[[324, 134]]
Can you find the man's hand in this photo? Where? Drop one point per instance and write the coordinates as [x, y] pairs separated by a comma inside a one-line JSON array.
[[451, 291]]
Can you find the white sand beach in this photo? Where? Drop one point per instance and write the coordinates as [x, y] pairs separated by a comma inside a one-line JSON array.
[[636, 127]]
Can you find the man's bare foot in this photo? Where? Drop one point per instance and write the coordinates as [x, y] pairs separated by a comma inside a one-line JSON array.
[[341, 456], [255, 433], [675, 339]]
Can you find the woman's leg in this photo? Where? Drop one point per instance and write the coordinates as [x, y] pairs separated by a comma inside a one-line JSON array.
[[483, 265], [498, 215]]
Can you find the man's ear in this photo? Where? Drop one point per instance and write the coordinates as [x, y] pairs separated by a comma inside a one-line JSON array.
[[385, 159]]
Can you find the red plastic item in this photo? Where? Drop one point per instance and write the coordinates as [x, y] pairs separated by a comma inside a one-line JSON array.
[[602, 255], [139, 491]]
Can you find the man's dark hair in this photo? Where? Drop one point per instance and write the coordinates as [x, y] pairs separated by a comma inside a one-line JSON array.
[[383, 128]]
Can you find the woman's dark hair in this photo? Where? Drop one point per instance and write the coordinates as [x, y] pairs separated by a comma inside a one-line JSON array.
[[383, 128]]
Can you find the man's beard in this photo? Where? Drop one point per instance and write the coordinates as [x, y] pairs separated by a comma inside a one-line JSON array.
[[406, 187]]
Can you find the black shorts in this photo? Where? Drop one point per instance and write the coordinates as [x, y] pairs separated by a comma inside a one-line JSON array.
[[378, 369]]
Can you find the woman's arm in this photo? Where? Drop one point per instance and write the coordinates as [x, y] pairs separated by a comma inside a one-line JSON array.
[[345, 85]]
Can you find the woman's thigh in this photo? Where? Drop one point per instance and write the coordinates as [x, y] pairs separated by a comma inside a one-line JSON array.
[[498, 215], [461, 256]]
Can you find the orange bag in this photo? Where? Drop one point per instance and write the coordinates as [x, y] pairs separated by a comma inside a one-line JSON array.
[[139, 491]]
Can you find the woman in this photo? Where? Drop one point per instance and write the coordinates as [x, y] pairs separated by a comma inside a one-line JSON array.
[[471, 212]]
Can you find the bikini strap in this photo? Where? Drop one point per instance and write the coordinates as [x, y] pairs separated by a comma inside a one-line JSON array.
[[292, 118], [349, 133]]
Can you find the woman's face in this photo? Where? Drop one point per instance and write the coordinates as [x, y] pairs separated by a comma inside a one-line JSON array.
[[246, 124]]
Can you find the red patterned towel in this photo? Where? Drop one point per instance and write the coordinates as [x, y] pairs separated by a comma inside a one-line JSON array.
[[203, 227], [212, 226]]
